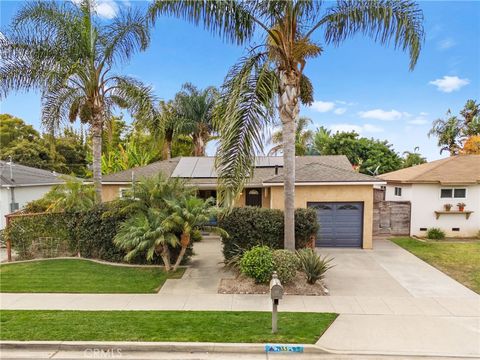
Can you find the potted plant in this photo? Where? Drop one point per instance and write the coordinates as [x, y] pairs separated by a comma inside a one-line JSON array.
[[447, 207], [461, 206]]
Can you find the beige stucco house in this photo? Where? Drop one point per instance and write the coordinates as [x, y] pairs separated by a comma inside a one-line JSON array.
[[342, 197], [430, 186]]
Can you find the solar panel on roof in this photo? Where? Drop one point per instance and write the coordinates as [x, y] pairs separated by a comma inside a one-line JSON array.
[[205, 168], [185, 167]]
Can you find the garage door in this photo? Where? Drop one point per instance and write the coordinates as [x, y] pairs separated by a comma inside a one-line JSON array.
[[341, 224]]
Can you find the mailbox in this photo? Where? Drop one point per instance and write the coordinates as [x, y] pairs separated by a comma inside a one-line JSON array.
[[276, 293]]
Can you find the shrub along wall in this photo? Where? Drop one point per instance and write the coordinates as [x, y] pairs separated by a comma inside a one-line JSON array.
[[65, 234], [250, 226]]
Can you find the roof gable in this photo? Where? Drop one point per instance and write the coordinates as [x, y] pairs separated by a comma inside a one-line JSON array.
[[462, 169]]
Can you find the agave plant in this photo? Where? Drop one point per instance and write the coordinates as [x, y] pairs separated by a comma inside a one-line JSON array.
[[313, 265]]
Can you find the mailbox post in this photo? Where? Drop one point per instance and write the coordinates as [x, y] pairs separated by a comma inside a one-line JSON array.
[[276, 293]]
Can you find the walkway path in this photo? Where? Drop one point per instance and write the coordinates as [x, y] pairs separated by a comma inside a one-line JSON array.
[[389, 302]]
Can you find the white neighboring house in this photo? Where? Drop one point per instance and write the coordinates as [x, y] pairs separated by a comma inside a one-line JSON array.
[[431, 185], [21, 184]]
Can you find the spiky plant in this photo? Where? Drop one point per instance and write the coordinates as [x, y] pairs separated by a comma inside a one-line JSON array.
[[270, 79], [61, 49]]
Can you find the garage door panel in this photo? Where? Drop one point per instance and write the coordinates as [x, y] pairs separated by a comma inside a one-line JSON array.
[[341, 224]]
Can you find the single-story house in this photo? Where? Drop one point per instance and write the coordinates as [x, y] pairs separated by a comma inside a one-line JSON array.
[[20, 184], [431, 186], [342, 197]]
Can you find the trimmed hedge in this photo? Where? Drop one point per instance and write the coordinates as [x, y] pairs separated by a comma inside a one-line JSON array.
[[251, 226], [89, 233]]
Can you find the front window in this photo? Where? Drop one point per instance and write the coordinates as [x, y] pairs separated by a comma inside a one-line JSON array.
[[459, 193], [398, 191]]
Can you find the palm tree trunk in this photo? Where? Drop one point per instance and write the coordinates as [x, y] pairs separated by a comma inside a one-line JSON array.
[[289, 110], [97, 156], [184, 241], [167, 149], [198, 146], [165, 254]]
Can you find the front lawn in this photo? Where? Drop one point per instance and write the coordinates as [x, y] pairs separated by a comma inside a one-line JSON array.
[[459, 260], [195, 326], [80, 276]]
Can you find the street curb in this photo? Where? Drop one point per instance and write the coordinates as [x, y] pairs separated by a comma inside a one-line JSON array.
[[253, 348], [191, 347]]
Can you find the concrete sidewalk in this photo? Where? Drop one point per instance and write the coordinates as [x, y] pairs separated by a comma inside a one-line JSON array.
[[350, 305]]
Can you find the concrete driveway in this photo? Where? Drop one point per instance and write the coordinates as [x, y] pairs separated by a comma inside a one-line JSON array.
[[404, 305], [388, 271]]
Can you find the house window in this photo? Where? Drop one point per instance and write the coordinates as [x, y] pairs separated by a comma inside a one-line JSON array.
[[123, 192], [398, 191], [459, 193]]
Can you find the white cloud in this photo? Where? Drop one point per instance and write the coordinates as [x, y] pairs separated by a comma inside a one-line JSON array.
[[418, 121], [343, 102], [379, 114], [446, 43], [448, 84], [106, 8], [323, 106], [339, 111], [366, 128]]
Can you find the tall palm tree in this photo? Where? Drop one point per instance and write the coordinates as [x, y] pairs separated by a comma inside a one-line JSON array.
[[62, 50], [270, 79], [194, 109], [303, 138], [449, 132]]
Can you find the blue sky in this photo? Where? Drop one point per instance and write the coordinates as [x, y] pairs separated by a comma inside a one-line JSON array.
[[359, 86]]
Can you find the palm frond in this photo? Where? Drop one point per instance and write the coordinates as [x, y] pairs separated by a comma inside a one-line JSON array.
[[245, 107], [226, 18], [399, 21]]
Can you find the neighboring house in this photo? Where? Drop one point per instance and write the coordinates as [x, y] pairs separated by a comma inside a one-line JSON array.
[[21, 184], [342, 197], [431, 185]]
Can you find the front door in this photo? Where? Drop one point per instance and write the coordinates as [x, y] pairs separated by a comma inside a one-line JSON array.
[[253, 197]]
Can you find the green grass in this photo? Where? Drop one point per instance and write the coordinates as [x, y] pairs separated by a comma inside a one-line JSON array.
[[80, 276], [459, 260], [193, 326]]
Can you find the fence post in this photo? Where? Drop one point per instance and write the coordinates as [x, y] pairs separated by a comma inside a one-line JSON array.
[[9, 242]]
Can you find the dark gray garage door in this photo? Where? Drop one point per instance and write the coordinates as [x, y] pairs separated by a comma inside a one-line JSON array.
[[341, 224]]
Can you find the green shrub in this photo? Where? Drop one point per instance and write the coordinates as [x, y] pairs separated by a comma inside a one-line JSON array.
[[313, 265], [257, 263], [41, 236], [251, 226], [91, 233], [285, 264], [435, 234]]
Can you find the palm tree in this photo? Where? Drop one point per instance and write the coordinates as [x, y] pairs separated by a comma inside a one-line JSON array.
[[270, 78], [189, 214], [60, 49], [303, 138], [194, 110], [413, 158], [146, 233], [448, 131]]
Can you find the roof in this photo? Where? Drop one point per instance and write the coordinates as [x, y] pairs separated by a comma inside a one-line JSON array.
[[269, 169], [22, 175], [316, 173], [461, 169]]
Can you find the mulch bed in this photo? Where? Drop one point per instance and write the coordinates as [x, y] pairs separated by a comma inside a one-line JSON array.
[[245, 285]]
